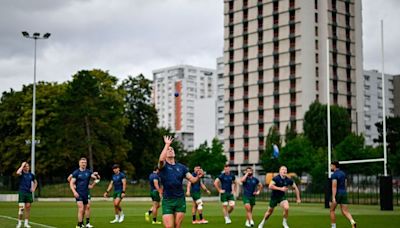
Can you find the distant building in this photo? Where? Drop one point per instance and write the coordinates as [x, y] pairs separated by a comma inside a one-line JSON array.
[[175, 91], [220, 99], [275, 55], [372, 94], [396, 95]]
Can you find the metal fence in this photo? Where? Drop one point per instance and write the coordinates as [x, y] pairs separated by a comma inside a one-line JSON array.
[[361, 189]]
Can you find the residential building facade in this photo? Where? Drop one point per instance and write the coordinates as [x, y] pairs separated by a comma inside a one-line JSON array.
[[275, 55]]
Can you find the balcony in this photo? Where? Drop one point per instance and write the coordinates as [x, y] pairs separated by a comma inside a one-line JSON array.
[[275, 79], [260, 95], [276, 106], [292, 77], [245, 110], [231, 111], [276, 120], [276, 92], [231, 124], [231, 86], [292, 90], [245, 136], [260, 82], [292, 118], [260, 108], [245, 83]]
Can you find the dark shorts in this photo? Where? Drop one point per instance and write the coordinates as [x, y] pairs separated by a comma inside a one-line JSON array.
[[84, 198], [226, 197], [25, 197], [171, 206], [155, 196], [249, 200], [341, 198], [117, 195], [195, 196], [276, 200]]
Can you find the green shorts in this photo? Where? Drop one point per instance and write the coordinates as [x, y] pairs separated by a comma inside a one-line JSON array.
[[276, 200], [249, 200], [155, 196], [195, 196], [171, 206], [25, 197], [117, 195], [341, 198], [225, 197]]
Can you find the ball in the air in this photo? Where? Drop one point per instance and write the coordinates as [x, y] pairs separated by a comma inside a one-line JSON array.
[[176, 94]]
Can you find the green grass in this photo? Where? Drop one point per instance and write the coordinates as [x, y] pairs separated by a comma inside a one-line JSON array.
[[63, 214]]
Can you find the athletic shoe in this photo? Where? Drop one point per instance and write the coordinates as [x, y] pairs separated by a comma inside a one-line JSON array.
[[89, 226], [228, 220], [121, 218], [251, 223], [203, 221], [195, 222], [114, 221], [247, 223], [26, 225], [285, 225], [156, 223], [19, 225], [147, 217], [261, 225], [354, 225]]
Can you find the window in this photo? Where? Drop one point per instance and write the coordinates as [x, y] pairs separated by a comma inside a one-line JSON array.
[[316, 17]]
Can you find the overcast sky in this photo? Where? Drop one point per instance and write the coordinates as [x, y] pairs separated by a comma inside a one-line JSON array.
[[129, 37]]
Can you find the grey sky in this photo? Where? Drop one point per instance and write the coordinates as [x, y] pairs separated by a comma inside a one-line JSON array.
[[129, 37]]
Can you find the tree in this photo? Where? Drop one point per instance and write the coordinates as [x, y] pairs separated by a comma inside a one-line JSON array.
[[298, 155], [290, 133], [211, 159], [352, 148], [268, 161], [92, 121], [142, 131], [315, 124], [393, 142]]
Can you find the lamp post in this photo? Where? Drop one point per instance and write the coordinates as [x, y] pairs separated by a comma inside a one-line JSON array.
[[36, 36]]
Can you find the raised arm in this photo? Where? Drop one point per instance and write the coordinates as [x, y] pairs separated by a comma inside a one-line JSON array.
[[193, 179], [243, 179], [19, 170], [163, 156]]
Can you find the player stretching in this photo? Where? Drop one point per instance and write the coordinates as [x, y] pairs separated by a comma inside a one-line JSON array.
[[155, 194], [25, 191], [79, 185], [279, 186], [87, 211], [339, 194], [226, 179], [193, 190], [119, 183], [251, 189], [172, 174]]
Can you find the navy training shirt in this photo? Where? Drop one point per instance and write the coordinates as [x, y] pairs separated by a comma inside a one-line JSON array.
[[152, 177], [281, 182], [196, 186], [340, 177], [250, 186], [82, 179], [25, 182], [171, 179], [117, 181], [226, 181]]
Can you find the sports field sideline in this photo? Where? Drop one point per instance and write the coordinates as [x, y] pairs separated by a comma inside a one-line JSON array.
[[63, 214]]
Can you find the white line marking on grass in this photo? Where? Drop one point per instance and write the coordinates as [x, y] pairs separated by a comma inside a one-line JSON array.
[[34, 223]]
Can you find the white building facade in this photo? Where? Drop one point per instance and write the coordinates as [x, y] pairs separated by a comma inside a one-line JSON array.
[[175, 91]]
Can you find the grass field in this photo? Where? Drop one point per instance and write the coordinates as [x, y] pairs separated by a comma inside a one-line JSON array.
[[63, 214]]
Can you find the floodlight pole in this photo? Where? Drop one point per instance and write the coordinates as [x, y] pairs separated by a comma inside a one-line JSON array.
[[35, 37], [328, 104], [383, 105]]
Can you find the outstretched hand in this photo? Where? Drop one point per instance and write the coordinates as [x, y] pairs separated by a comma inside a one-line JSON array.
[[168, 139]]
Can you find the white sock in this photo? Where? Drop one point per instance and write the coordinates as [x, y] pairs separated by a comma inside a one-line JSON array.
[[26, 221], [262, 222], [284, 221], [121, 213], [333, 225], [19, 221], [116, 216], [352, 222]]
